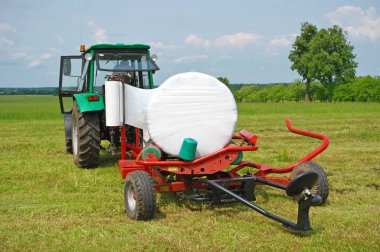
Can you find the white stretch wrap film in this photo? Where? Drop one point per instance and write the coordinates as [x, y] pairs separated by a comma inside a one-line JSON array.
[[192, 105], [136, 104]]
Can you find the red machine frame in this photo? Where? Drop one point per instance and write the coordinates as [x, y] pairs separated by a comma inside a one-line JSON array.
[[208, 165]]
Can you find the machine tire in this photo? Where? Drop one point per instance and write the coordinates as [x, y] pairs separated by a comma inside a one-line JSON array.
[[86, 138], [322, 186], [139, 196]]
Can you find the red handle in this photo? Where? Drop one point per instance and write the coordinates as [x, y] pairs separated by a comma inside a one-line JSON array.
[[306, 158]]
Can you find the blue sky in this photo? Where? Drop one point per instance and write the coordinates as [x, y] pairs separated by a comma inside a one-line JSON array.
[[245, 41]]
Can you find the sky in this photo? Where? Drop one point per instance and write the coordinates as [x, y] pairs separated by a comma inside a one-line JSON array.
[[245, 41]]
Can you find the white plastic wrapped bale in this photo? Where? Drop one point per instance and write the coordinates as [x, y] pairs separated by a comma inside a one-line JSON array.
[[192, 105], [187, 105]]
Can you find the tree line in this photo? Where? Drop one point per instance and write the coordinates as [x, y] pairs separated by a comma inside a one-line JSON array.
[[29, 91], [360, 89]]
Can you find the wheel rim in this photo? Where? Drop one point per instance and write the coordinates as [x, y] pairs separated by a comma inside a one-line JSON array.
[[131, 198], [75, 137]]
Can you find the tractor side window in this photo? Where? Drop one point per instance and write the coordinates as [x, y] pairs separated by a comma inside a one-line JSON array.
[[71, 74], [144, 80]]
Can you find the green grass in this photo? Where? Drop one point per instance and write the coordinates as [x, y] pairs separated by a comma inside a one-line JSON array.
[[46, 203]]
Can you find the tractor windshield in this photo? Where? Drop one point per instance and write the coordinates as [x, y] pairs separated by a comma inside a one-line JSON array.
[[123, 61], [132, 68]]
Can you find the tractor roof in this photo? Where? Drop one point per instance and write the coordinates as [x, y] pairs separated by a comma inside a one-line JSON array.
[[118, 46]]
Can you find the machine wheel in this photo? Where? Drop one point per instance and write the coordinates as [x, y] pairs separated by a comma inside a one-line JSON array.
[[139, 196], [322, 186], [86, 138]]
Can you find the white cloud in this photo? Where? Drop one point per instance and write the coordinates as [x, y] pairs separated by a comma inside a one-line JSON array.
[[19, 55], [186, 59], [357, 22], [4, 41], [161, 45], [34, 63], [99, 33], [279, 42], [277, 45], [239, 39], [196, 41], [6, 31], [5, 27], [45, 56], [38, 61]]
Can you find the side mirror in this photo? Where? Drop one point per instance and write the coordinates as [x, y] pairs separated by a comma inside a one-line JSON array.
[[154, 57], [66, 67]]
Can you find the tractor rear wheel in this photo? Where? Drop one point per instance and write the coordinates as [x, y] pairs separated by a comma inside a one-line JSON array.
[[139, 196], [322, 186], [85, 138]]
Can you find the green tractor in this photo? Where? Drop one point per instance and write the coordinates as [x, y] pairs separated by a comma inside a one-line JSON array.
[[82, 96]]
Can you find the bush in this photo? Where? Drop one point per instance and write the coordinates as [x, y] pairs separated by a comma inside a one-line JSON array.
[[362, 89]]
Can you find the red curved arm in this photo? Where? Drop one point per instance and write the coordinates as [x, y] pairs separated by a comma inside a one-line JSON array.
[[308, 157]]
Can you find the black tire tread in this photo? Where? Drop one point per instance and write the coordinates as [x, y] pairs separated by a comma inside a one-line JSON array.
[[142, 183], [322, 186], [88, 124]]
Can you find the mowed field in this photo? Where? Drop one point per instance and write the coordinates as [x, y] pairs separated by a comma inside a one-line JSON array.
[[46, 203]]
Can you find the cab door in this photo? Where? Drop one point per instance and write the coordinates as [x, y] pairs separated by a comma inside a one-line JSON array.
[[70, 81]]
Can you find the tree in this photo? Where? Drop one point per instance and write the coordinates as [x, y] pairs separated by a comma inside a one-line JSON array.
[[323, 55], [226, 81]]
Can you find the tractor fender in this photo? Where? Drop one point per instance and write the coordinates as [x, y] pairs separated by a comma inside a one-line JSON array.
[[87, 102], [68, 122]]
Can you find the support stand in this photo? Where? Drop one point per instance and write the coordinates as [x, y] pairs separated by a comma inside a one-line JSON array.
[[298, 186]]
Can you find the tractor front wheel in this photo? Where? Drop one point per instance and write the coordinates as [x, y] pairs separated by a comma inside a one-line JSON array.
[[139, 196], [85, 138]]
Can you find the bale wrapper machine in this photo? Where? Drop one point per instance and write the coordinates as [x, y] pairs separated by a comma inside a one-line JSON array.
[[206, 178]]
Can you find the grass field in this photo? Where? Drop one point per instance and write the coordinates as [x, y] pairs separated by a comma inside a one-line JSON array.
[[46, 203]]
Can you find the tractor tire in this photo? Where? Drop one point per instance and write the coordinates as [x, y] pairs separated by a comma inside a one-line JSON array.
[[139, 196], [85, 138], [322, 186]]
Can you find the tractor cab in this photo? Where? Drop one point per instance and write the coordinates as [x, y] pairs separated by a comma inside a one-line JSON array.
[[85, 74], [81, 94]]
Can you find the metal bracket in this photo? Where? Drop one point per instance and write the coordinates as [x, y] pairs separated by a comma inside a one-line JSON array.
[[303, 222]]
